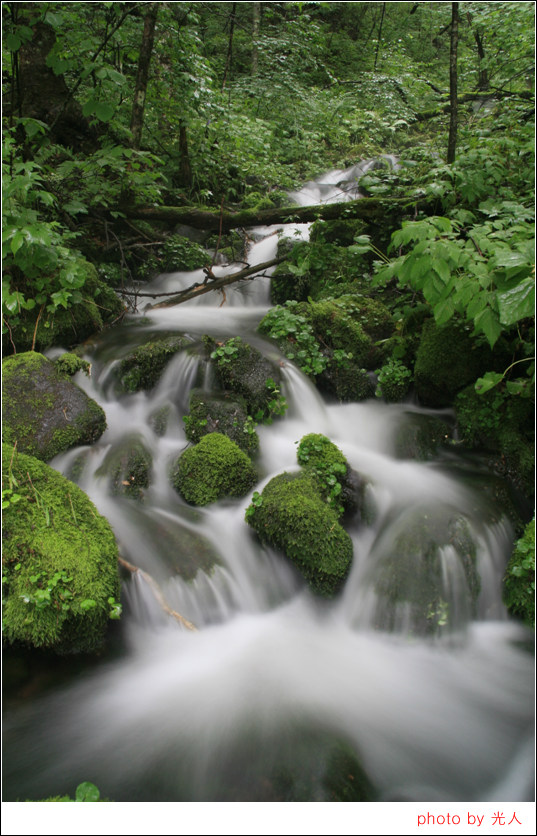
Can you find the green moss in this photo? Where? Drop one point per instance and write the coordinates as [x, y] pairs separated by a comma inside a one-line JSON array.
[[214, 468], [519, 580], [45, 414], [59, 554], [291, 515], [143, 368], [447, 360], [393, 381], [69, 364], [213, 413], [337, 484]]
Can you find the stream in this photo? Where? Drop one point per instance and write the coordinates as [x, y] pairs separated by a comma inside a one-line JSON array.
[[257, 703]]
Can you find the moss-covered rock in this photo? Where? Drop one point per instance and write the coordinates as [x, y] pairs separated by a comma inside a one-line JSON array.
[[226, 415], [291, 516], [425, 572], [213, 468], [519, 580], [243, 370], [128, 466], [447, 360], [339, 485], [502, 424], [60, 571], [346, 381], [143, 367], [40, 329], [44, 414]]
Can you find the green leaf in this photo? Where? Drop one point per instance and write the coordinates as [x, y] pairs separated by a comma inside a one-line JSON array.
[[104, 111], [442, 269], [489, 381], [87, 792], [444, 310], [517, 303], [487, 322]]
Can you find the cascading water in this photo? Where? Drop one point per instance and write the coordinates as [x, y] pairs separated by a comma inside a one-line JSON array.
[[415, 667]]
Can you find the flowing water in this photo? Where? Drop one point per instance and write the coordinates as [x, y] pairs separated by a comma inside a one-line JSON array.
[[414, 669]]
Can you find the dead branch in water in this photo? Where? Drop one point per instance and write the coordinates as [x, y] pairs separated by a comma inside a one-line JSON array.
[[157, 592]]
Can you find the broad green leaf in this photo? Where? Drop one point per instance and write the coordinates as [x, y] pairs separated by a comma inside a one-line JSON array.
[[17, 241], [87, 792], [442, 269], [444, 310], [489, 381], [517, 303], [104, 111], [487, 322]]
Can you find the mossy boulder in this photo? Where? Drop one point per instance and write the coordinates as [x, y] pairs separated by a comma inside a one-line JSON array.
[[447, 360], [59, 560], [346, 381], [244, 371], [44, 413], [291, 516], [339, 485], [128, 466], [214, 468], [501, 424], [143, 367], [426, 576], [99, 306], [223, 414], [519, 580]]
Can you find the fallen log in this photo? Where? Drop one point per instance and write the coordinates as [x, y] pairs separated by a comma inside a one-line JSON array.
[[366, 208], [211, 282]]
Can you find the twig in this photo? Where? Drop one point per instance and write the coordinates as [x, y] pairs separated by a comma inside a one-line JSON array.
[[36, 324], [157, 592]]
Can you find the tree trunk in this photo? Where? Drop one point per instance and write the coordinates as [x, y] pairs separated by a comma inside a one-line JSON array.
[[380, 34], [256, 10], [142, 75], [184, 159], [40, 94], [230, 44], [452, 140], [367, 208]]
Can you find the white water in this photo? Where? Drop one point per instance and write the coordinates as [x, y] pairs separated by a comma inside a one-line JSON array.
[[274, 677]]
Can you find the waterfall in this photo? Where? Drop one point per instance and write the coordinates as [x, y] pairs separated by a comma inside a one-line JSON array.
[[415, 667]]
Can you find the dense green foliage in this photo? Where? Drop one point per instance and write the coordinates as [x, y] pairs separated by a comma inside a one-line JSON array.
[[438, 293], [519, 581]]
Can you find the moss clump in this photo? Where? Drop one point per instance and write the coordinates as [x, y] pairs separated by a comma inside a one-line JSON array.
[[519, 580], [291, 515], [59, 560], [338, 484], [346, 381], [213, 413], [447, 360], [44, 414], [393, 381], [69, 364], [214, 468], [143, 368]]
